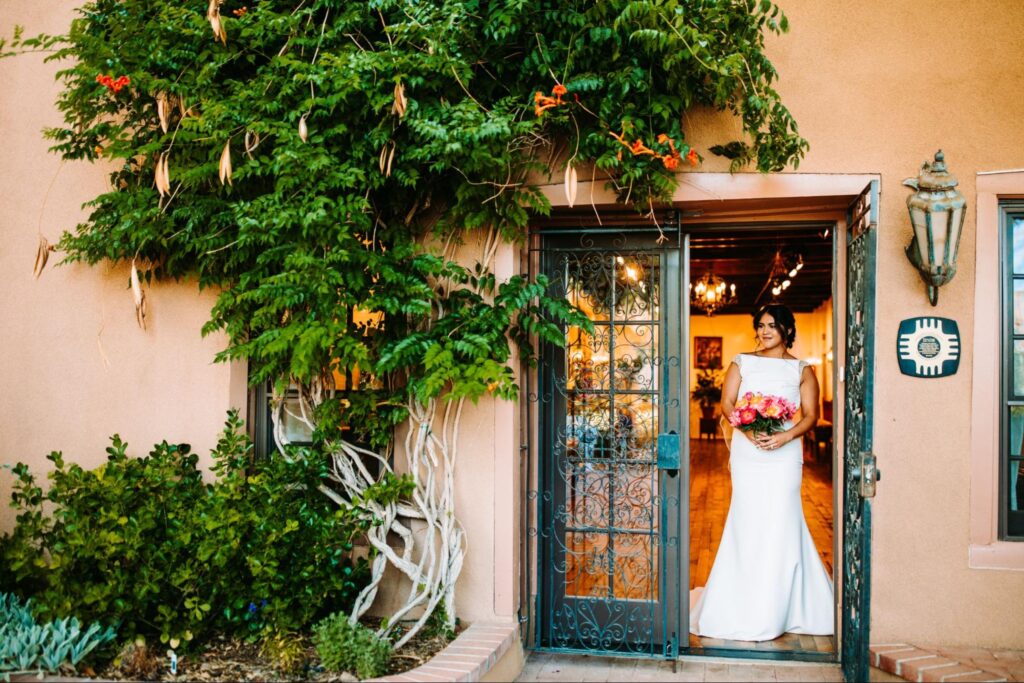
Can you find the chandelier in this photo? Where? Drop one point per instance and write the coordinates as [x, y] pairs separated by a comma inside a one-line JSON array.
[[711, 293], [784, 268]]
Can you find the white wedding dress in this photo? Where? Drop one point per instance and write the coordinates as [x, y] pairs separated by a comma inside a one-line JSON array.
[[767, 578]]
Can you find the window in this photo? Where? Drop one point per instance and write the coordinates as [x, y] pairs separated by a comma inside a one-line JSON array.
[[1012, 373], [297, 432]]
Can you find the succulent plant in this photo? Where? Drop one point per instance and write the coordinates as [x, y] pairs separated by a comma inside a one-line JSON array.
[[27, 646]]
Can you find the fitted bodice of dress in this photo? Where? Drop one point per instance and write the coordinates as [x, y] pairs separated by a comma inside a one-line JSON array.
[[775, 376]]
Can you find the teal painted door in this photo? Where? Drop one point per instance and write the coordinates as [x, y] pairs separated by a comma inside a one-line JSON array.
[[608, 515], [859, 471]]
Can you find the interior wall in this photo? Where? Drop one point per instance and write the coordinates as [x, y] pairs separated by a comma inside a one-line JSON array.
[[813, 341]]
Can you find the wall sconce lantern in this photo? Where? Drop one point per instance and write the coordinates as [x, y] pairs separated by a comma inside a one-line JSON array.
[[937, 214]]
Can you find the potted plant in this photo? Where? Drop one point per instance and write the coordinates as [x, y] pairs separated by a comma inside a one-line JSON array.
[[708, 392]]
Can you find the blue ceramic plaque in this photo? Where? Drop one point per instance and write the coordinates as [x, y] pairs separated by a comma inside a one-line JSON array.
[[928, 347]]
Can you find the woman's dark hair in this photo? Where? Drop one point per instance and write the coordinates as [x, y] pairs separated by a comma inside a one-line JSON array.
[[784, 321]]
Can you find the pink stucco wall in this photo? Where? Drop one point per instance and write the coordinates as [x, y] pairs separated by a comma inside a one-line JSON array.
[[876, 87]]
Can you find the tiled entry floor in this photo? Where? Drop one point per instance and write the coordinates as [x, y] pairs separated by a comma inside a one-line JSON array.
[[558, 667]]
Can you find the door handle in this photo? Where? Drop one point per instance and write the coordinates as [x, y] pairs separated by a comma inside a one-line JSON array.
[[668, 453], [867, 475]]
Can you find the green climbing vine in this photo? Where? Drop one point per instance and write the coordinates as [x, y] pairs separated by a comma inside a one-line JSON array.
[[312, 159]]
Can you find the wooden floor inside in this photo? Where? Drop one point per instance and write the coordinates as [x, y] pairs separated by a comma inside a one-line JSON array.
[[710, 493]]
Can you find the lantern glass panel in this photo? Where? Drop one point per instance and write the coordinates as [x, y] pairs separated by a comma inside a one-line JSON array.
[[920, 220], [1018, 246], [940, 232], [957, 221]]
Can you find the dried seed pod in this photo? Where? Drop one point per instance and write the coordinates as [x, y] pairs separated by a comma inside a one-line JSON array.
[[303, 130], [138, 296], [224, 171], [161, 110], [391, 158], [165, 172], [213, 15], [42, 256], [571, 184], [141, 312], [159, 174], [401, 102]]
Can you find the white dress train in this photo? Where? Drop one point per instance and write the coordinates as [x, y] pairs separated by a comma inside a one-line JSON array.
[[767, 578]]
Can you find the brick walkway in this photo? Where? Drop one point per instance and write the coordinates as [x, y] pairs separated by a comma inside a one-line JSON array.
[[954, 664], [549, 667]]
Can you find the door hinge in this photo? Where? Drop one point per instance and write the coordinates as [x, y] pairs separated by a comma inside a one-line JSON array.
[[867, 475], [842, 374]]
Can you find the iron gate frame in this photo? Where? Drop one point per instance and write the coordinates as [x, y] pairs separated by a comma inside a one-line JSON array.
[[666, 241], [530, 616]]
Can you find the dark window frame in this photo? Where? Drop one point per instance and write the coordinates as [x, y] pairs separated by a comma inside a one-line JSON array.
[[1011, 523]]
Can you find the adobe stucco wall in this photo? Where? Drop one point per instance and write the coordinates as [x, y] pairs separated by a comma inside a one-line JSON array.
[[878, 87], [75, 367], [871, 95]]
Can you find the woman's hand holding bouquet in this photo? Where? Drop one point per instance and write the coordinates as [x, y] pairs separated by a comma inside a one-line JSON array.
[[761, 415]]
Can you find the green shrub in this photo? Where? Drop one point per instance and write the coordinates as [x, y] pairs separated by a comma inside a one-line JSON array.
[[355, 649], [115, 547], [27, 646], [145, 543]]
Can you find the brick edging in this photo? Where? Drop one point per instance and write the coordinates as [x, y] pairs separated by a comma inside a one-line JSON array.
[[467, 658], [914, 663]]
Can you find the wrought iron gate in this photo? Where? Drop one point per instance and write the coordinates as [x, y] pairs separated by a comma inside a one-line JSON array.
[[860, 472], [608, 515]]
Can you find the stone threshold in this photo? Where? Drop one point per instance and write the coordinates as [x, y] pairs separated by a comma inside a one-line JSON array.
[[954, 665], [469, 657]]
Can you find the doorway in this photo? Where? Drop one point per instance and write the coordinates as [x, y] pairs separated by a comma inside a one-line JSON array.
[[733, 271], [588, 493]]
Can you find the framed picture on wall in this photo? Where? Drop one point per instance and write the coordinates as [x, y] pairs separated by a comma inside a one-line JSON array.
[[707, 353]]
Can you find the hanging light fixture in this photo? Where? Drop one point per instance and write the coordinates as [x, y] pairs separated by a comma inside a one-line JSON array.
[[781, 273], [711, 293]]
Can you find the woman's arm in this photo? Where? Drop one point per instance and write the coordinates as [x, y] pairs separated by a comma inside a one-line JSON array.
[[808, 412]]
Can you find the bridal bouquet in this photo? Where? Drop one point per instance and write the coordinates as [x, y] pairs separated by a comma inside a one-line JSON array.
[[761, 413]]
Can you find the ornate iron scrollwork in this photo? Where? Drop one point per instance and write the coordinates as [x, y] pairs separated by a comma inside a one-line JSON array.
[[599, 520], [859, 386]]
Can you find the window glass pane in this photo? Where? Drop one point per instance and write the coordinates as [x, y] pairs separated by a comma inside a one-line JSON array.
[[296, 430], [1018, 245], [1016, 430], [1018, 368], [1015, 499], [1018, 306]]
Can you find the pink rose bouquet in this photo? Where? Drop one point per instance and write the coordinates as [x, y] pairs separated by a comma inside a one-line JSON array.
[[761, 413]]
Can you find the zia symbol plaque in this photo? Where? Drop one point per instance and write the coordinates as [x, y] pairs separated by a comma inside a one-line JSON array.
[[928, 347]]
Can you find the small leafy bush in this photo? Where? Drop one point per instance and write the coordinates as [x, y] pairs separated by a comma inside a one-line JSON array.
[[147, 544], [27, 646], [355, 649]]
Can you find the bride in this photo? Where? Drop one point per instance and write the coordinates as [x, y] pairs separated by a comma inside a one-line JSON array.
[[767, 578]]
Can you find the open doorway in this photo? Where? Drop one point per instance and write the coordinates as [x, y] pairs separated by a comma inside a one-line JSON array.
[[733, 272]]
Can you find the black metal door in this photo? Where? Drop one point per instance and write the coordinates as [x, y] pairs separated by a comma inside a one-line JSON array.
[[608, 531], [859, 470]]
